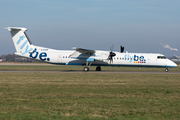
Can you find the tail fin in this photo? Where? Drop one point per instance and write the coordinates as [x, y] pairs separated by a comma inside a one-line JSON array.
[[21, 41]]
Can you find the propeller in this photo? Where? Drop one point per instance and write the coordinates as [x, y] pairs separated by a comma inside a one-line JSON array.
[[111, 54]]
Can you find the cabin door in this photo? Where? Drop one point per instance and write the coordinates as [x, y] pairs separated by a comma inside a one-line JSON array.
[[59, 58]]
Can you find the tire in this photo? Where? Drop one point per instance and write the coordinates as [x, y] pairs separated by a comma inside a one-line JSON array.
[[98, 68], [86, 69], [166, 70]]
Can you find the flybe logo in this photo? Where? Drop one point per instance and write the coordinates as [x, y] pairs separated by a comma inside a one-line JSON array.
[[42, 56], [137, 59], [34, 54], [27, 49]]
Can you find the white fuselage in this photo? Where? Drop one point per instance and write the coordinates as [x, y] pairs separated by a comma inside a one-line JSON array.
[[63, 57]]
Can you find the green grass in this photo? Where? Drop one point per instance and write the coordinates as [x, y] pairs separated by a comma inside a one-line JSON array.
[[89, 96]]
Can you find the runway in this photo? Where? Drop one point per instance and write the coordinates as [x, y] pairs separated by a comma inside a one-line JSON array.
[[99, 72], [77, 71]]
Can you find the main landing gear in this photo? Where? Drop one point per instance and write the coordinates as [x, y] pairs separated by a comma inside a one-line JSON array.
[[86, 69]]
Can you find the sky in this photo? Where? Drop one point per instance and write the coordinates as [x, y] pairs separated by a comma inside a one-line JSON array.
[[142, 26]]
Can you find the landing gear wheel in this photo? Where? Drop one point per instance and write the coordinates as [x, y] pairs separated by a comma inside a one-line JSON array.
[[86, 69], [166, 70], [98, 68]]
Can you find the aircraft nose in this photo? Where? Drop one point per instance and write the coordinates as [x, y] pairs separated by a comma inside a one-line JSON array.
[[174, 64]]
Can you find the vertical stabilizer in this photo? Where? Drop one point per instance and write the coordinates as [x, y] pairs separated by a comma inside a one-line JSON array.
[[21, 42]]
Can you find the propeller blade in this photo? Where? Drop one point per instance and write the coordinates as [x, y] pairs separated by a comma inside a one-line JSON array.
[[111, 54]]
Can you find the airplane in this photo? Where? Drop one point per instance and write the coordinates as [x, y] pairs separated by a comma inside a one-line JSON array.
[[85, 57]]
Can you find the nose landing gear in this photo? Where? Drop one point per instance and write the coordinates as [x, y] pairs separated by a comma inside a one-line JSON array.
[[167, 69]]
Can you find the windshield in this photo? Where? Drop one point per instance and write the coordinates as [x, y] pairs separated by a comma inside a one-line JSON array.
[[161, 57]]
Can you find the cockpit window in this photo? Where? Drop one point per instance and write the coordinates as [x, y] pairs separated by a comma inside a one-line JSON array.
[[161, 57]]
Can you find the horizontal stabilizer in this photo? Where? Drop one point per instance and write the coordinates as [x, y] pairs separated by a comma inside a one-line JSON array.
[[16, 28]]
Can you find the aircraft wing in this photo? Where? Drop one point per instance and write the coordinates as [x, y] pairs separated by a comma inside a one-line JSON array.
[[81, 50], [81, 53]]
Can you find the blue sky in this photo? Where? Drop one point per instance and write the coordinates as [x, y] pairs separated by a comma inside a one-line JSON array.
[[139, 25]]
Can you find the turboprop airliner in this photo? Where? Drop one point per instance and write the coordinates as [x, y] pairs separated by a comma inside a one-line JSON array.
[[85, 57]]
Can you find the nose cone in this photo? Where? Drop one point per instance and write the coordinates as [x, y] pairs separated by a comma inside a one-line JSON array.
[[172, 64], [175, 64]]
